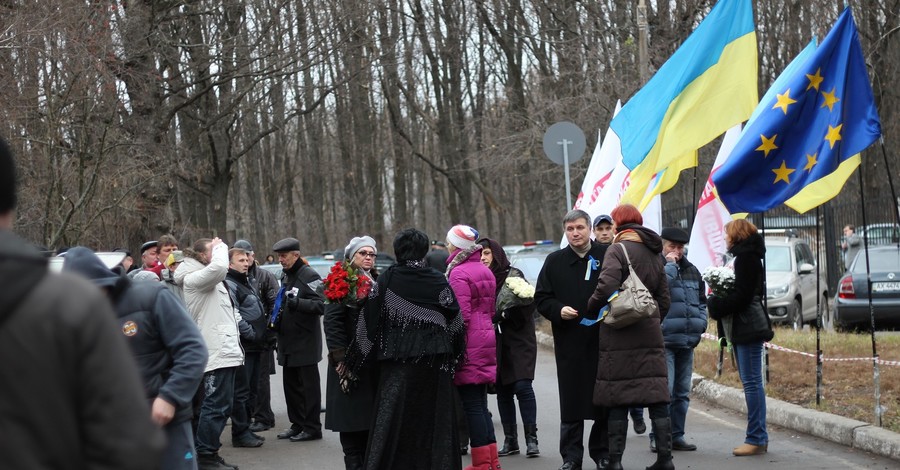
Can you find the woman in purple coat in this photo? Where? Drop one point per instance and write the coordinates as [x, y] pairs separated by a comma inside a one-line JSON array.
[[475, 289]]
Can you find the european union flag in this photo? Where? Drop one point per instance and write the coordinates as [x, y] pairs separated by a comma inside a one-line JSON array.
[[822, 117]]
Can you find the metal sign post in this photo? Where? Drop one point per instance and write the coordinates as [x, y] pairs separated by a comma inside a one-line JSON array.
[[564, 143]]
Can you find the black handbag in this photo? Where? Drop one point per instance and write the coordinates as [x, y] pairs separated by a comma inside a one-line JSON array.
[[753, 324]]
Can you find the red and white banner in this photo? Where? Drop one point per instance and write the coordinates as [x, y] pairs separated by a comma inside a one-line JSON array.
[[707, 246], [603, 160]]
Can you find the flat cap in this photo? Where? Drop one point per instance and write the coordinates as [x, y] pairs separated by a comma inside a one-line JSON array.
[[244, 245], [146, 246], [602, 218], [675, 234], [288, 244]]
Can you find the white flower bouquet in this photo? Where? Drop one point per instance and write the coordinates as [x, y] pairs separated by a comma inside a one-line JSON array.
[[515, 292], [719, 279]]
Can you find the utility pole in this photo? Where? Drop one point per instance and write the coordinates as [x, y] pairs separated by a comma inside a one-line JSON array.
[[643, 32]]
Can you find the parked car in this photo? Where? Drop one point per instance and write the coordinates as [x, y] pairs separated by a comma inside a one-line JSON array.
[[851, 303], [793, 284]]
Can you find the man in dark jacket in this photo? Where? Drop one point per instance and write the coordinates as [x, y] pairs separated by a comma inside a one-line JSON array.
[[71, 394], [299, 327], [167, 345], [682, 328], [266, 285], [564, 286], [252, 328]]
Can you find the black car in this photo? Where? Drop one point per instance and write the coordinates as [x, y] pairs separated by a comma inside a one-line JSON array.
[[851, 304]]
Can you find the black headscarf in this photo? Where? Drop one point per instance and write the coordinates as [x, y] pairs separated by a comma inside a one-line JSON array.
[[500, 265]]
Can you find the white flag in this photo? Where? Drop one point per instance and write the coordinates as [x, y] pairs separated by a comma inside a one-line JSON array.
[[707, 245], [603, 160]]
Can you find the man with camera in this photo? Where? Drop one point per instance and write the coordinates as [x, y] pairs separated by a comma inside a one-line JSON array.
[[299, 328]]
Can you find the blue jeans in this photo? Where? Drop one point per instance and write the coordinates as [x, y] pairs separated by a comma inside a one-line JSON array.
[[218, 387], [474, 401], [680, 363], [749, 362], [524, 392]]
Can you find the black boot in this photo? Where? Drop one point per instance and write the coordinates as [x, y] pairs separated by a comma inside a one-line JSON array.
[[662, 430], [213, 462], [531, 442], [353, 462], [510, 442], [618, 430]]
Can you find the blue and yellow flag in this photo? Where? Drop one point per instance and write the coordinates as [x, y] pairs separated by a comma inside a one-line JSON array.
[[705, 88], [809, 135]]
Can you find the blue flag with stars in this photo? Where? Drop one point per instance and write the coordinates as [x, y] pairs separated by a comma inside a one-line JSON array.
[[821, 117]]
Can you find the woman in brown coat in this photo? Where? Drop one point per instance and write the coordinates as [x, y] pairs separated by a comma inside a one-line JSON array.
[[632, 367]]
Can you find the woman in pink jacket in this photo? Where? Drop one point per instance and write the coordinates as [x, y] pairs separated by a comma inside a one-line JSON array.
[[475, 288]]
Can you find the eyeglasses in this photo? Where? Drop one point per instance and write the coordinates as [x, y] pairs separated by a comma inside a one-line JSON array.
[[366, 254]]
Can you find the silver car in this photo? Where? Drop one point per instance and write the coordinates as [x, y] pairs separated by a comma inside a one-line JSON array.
[[791, 287]]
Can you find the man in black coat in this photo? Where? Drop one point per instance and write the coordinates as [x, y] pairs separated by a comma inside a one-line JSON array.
[[299, 329], [564, 286], [166, 344]]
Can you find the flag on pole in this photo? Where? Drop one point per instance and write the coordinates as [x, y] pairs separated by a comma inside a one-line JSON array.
[[706, 87], [708, 231], [603, 160], [809, 135]]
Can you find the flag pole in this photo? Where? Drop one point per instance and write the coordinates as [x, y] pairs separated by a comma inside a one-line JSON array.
[[875, 371], [819, 307]]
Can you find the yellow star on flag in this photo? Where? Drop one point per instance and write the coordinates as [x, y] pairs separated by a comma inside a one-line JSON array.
[[815, 80], [782, 173], [811, 161], [767, 144], [834, 134], [784, 100], [830, 99]]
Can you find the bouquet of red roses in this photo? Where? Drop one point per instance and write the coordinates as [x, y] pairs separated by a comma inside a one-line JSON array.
[[346, 285]]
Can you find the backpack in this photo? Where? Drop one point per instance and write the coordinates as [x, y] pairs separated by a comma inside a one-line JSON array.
[[633, 303]]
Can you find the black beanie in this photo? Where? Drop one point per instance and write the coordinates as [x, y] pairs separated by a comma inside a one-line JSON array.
[[7, 179]]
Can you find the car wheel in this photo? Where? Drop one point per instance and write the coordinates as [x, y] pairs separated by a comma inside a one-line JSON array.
[[826, 312], [796, 318]]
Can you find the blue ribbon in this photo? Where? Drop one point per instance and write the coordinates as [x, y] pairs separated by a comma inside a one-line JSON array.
[[273, 317]]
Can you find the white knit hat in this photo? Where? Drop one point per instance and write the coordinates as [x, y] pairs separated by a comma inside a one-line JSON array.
[[358, 242], [462, 236]]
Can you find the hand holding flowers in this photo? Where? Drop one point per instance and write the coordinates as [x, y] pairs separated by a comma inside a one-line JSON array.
[[719, 279], [515, 292], [346, 285]]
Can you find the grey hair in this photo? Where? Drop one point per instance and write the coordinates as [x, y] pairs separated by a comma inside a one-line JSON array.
[[576, 214]]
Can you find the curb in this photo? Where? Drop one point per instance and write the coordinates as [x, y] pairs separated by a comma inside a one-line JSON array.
[[845, 431]]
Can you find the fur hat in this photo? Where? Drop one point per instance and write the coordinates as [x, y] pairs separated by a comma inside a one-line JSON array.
[[358, 242], [462, 236]]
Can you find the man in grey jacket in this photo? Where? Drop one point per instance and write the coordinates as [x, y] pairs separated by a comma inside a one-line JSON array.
[[165, 343]]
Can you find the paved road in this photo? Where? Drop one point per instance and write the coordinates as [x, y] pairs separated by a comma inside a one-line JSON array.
[[715, 431]]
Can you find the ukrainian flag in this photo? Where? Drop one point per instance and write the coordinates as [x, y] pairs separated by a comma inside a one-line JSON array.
[[705, 88], [806, 142]]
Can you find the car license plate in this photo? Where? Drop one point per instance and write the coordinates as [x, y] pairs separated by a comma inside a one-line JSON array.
[[885, 286]]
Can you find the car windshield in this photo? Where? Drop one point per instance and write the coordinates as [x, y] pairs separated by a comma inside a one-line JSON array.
[[530, 267], [887, 260], [778, 258]]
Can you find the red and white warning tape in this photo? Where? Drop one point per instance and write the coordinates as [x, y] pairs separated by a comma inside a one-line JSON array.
[[802, 353]]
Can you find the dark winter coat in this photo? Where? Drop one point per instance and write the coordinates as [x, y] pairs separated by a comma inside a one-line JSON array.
[[632, 361], [300, 333], [686, 319], [562, 283], [254, 320], [516, 342], [748, 278], [346, 412], [71, 394]]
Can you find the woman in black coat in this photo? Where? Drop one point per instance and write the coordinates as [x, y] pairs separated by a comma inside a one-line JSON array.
[[350, 414], [746, 337], [632, 369], [516, 356]]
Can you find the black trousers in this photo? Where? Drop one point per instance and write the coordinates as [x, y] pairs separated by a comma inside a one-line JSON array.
[[303, 396], [354, 443], [263, 413], [571, 439]]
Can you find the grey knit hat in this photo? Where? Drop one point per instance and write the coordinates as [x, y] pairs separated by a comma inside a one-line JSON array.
[[358, 242]]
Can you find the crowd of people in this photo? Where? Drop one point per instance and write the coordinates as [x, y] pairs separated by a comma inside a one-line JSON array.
[[452, 321]]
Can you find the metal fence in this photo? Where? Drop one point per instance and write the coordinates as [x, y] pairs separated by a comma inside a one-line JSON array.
[[880, 217]]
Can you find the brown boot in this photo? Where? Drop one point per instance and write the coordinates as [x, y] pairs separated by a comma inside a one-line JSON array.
[[750, 449]]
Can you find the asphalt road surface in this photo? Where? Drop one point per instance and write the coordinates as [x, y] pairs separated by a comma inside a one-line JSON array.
[[714, 430]]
